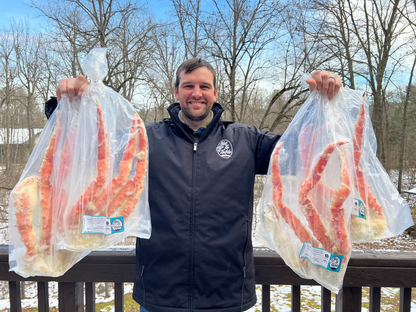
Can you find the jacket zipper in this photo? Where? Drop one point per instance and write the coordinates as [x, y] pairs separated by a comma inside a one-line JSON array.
[[192, 223], [142, 273], [192, 228], [244, 263]]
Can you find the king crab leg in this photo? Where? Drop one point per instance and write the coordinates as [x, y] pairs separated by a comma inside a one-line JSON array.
[[307, 143], [25, 201], [312, 216], [360, 182], [338, 242], [45, 187], [100, 203], [103, 168], [132, 190], [65, 165], [279, 207], [338, 211]]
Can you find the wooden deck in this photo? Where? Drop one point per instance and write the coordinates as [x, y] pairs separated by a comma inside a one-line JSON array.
[[365, 269]]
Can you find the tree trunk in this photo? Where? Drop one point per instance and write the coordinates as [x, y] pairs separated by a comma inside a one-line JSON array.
[[403, 136]]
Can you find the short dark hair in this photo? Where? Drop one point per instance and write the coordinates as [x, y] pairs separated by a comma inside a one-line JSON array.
[[192, 64]]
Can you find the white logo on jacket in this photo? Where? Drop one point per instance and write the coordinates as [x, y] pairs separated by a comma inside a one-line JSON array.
[[225, 149]]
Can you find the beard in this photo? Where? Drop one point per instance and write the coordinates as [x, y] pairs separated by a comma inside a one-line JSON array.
[[189, 114]]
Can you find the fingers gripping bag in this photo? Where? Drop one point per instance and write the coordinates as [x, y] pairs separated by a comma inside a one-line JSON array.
[[305, 208], [379, 211]]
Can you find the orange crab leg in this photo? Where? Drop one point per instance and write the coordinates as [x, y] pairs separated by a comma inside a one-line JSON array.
[[337, 210], [360, 181], [126, 164], [315, 176], [359, 133], [103, 168], [365, 192], [279, 207], [307, 142], [26, 200], [64, 168], [45, 187], [133, 188], [312, 216]]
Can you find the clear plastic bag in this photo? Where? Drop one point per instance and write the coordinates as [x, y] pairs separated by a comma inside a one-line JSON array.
[[306, 203], [85, 184], [379, 211], [308, 211]]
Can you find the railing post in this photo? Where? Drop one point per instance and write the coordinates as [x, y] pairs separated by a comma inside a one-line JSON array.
[[119, 297], [348, 300], [265, 298], [71, 297], [43, 297], [15, 298], [90, 297], [405, 299], [375, 299], [325, 300], [295, 298]]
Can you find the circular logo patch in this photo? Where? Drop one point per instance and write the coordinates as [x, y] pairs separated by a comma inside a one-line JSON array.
[[117, 225], [334, 263], [225, 149]]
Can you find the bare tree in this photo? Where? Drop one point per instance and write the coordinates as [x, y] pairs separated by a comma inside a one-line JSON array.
[[377, 27], [239, 31], [404, 126], [298, 51], [8, 74], [28, 47], [188, 14], [161, 75], [121, 26]]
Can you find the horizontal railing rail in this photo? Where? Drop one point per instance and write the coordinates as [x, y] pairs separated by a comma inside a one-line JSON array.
[[365, 269]]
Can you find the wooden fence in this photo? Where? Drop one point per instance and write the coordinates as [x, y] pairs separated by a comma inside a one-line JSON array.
[[76, 289]]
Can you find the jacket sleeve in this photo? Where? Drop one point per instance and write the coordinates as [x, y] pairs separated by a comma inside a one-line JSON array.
[[266, 142], [50, 106]]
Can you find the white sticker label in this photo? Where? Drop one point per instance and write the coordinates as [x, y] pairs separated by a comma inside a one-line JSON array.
[[102, 225], [358, 210], [321, 257]]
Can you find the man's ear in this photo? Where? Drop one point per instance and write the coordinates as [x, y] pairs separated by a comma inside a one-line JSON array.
[[176, 94]]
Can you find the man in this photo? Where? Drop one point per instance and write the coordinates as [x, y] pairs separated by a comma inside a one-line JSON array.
[[201, 180]]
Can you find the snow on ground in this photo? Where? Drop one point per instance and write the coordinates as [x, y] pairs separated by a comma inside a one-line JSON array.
[[280, 295]]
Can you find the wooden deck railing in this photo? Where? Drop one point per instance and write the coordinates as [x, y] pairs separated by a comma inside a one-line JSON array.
[[365, 269]]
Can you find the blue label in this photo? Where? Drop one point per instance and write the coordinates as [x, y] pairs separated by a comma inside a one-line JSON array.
[[102, 225], [321, 257], [359, 210]]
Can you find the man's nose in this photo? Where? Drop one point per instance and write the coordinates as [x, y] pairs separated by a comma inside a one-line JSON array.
[[197, 92]]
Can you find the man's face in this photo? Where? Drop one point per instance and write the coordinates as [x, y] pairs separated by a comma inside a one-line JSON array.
[[196, 95]]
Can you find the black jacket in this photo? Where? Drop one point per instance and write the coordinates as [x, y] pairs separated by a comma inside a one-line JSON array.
[[200, 254]]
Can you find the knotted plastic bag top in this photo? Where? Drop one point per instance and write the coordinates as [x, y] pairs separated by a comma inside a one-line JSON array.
[[95, 64]]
